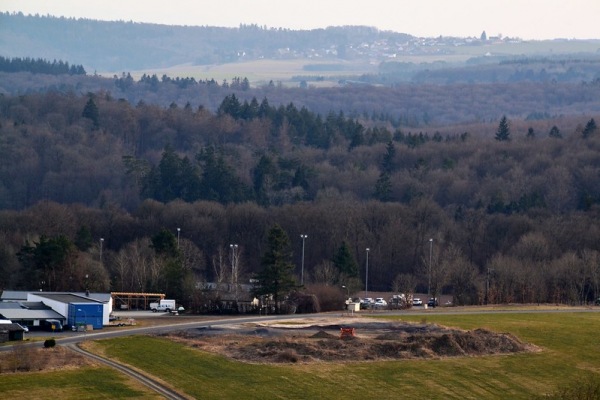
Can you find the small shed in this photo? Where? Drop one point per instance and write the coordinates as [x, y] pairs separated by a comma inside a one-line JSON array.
[[11, 332]]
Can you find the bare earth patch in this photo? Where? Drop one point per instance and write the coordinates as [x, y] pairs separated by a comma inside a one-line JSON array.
[[321, 341]]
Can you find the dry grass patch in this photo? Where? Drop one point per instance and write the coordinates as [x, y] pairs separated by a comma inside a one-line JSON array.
[[28, 359]]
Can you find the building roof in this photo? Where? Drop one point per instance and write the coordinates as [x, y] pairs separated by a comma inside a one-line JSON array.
[[14, 295], [22, 313], [34, 305], [66, 297], [12, 327], [21, 295]]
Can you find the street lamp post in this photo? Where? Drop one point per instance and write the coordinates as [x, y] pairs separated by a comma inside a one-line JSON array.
[[178, 231], [347, 290], [367, 275], [101, 242], [429, 274], [487, 286], [302, 268], [233, 250]]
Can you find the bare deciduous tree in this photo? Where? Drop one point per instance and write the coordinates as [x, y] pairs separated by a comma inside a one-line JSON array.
[[325, 273]]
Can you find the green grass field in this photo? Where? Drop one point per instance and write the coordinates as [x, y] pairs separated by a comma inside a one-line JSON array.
[[83, 383], [260, 72], [569, 353]]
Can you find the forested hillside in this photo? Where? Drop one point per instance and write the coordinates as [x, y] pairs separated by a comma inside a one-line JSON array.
[[417, 107], [102, 184]]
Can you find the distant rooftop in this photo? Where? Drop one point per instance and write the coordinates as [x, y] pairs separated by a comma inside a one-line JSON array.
[[81, 297], [66, 297]]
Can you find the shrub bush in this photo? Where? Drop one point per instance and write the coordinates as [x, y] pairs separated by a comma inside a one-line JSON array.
[[330, 298], [49, 343], [305, 302]]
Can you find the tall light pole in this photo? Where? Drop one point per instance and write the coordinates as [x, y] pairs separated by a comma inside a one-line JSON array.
[[101, 242], [347, 290], [487, 286], [233, 249], [430, 254], [367, 275], [178, 231], [302, 268]]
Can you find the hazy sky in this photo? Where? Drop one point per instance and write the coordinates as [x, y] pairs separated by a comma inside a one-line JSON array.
[[527, 19]]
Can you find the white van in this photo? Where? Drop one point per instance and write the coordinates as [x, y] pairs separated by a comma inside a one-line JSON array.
[[163, 305]]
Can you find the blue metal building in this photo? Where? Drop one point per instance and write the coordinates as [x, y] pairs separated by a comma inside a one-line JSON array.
[[83, 314]]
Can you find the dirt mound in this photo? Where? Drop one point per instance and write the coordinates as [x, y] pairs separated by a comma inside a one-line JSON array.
[[322, 335], [372, 341]]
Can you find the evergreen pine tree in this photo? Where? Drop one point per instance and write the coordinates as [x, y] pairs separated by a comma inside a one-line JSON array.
[[90, 111], [276, 278], [503, 132], [383, 187], [555, 132], [590, 128], [345, 263]]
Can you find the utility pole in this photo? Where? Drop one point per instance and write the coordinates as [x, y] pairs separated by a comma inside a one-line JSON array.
[[430, 260], [367, 275], [302, 269]]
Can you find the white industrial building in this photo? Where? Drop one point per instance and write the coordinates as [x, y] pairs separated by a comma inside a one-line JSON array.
[[35, 309]]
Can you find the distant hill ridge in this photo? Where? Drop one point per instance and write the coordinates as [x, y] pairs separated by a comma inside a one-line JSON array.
[[119, 46], [123, 46]]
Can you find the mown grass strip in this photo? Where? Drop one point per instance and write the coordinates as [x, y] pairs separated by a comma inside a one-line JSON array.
[[83, 383]]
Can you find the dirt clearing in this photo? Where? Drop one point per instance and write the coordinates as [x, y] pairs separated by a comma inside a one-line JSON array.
[[318, 340]]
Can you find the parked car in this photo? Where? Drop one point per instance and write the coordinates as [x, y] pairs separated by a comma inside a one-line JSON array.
[[366, 303], [380, 302], [417, 302], [53, 325], [433, 302]]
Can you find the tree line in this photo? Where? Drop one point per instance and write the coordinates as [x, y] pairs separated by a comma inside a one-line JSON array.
[[506, 220], [39, 66], [177, 248], [417, 107]]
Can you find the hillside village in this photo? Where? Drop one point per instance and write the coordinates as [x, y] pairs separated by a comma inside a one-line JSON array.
[[386, 49]]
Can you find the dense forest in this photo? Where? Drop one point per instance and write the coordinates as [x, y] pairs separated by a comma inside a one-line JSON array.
[[412, 106], [96, 190]]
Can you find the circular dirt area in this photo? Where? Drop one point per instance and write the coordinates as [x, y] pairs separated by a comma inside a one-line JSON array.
[[341, 340]]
